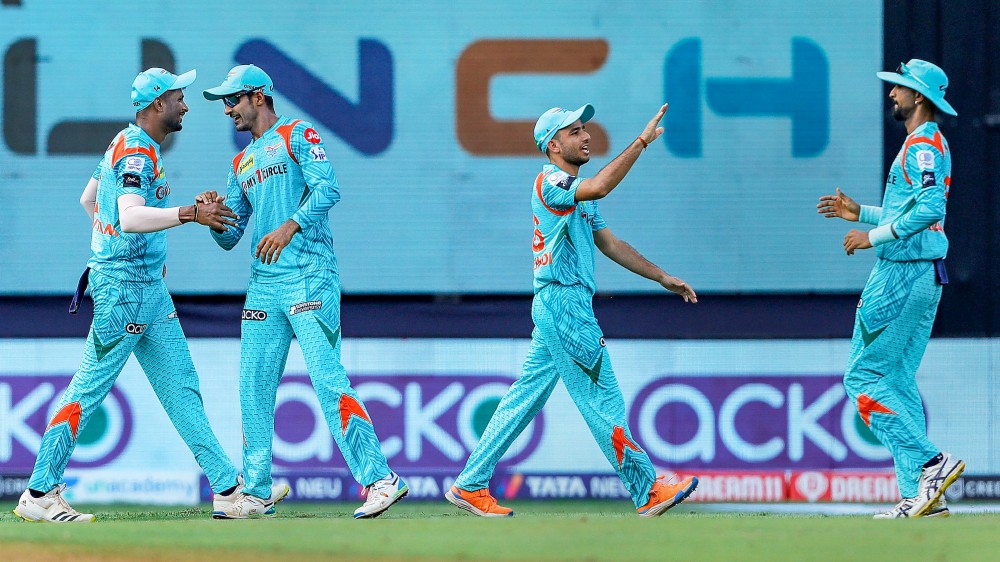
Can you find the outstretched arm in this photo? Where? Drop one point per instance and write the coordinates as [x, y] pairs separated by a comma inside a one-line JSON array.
[[135, 216], [626, 256], [614, 172]]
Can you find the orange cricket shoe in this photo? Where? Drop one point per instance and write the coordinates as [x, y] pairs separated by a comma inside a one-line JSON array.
[[479, 503], [663, 496]]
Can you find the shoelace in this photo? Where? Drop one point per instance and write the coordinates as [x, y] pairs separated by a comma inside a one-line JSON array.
[[490, 501], [253, 502], [382, 486], [664, 480], [904, 506], [379, 487], [59, 499]]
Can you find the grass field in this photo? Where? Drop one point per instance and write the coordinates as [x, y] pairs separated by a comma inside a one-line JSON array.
[[571, 530]]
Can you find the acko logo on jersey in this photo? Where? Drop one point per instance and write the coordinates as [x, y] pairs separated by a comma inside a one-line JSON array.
[[255, 315], [311, 135], [133, 328], [31, 401], [423, 422]]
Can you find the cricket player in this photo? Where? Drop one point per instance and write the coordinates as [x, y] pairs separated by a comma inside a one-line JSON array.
[[899, 301], [127, 200], [566, 342], [285, 179]]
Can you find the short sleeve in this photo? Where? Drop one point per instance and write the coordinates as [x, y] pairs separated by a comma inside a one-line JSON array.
[[558, 190], [598, 223], [134, 174]]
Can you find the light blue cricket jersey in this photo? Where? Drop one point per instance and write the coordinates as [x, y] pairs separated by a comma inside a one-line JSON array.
[[130, 165], [563, 242], [284, 174], [916, 192]]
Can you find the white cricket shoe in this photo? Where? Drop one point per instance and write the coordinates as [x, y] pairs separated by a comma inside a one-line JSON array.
[[50, 508], [222, 506], [938, 509], [905, 509], [382, 494], [901, 510], [934, 480], [246, 507]]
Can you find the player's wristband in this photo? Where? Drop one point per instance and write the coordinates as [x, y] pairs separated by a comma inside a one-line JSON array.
[[645, 144], [881, 235], [869, 214]]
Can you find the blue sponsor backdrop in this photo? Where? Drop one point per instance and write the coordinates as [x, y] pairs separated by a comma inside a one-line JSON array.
[[426, 113]]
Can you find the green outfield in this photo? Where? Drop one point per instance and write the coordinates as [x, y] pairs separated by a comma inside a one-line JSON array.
[[571, 530]]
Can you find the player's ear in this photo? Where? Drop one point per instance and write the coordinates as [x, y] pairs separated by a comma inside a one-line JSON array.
[[553, 146]]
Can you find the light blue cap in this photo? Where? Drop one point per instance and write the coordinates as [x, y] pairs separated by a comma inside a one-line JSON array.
[[242, 78], [558, 118], [153, 83], [924, 77]]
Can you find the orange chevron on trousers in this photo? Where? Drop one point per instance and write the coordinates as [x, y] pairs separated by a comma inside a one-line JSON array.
[[70, 413], [620, 441], [350, 407], [868, 405]]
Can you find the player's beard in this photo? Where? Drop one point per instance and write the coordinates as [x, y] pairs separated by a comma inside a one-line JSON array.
[[243, 124], [576, 158], [899, 114], [174, 124]]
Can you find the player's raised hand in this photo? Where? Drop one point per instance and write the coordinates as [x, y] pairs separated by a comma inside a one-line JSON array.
[[675, 285], [653, 130], [215, 215], [839, 205], [208, 197], [270, 246]]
